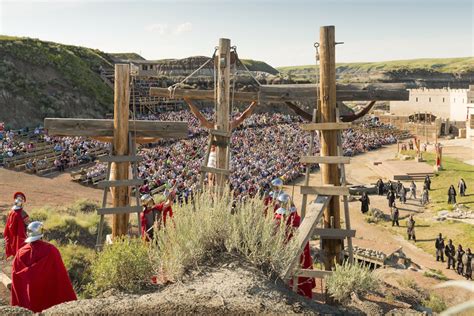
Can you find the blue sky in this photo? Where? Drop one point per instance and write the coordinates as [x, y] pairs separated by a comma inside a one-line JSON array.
[[279, 32]]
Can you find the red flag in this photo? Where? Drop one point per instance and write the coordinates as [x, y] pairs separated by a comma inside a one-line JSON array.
[[39, 278]]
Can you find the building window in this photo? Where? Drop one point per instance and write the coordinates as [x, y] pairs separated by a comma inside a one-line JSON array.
[[443, 100], [430, 100], [454, 100], [416, 99]]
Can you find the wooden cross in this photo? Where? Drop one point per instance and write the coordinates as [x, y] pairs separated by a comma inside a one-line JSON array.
[[117, 131]]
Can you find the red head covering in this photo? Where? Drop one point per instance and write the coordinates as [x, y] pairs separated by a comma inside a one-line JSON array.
[[21, 194]]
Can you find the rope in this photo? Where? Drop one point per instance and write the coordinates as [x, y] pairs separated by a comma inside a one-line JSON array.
[[172, 88], [246, 69]]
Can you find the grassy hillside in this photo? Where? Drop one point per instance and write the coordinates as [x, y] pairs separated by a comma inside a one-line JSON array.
[[40, 79], [442, 65], [255, 65], [126, 56]]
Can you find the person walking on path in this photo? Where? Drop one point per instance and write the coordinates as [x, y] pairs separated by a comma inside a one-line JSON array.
[[413, 190], [439, 245], [425, 197], [411, 228], [365, 202], [403, 194], [450, 251], [462, 187], [428, 182], [391, 198], [380, 186], [452, 195], [459, 263], [395, 216], [468, 264]]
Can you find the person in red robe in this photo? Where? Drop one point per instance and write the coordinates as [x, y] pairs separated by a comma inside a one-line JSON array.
[[289, 215], [166, 208], [15, 227], [272, 197], [39, 278]]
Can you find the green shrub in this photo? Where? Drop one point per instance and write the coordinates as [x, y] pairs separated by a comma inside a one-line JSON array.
[[435, 302], [124, 265], [78, 260], [208, 226], [436, 274], [348, 278]]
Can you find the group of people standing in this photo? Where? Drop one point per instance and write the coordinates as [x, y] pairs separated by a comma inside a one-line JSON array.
[[39, 277], [452, 191], [458, 259]]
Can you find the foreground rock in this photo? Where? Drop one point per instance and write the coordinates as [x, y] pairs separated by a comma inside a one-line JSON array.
[[229, 288]]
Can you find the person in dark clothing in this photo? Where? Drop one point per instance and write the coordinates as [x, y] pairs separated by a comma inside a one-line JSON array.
[[395, 216], [452, 195], [439, 245], [468, 264], [398, 187], [459, 265], [411, 228], [391, 198], [413, 190], [365, 202], [462, 187], [428, 182], [380, 187], [450, 251]]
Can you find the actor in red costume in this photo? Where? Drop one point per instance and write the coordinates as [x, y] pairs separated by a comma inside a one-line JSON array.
[[292, 222], [166, 208], [148, 216], [39, 278], [15, 227]]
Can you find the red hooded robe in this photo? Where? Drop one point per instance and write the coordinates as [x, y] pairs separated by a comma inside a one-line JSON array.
[[14, 232], [39, 278]]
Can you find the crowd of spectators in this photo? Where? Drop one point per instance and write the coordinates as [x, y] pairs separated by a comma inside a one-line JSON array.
[[265, 146]]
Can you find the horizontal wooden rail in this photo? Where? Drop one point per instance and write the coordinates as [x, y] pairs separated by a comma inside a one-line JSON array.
[[334, 233], [120, 183], [325, 159], [325, 190], [220, 133], [120, 158], [325, 126], [119, 210], [215, 170], [307, 273]]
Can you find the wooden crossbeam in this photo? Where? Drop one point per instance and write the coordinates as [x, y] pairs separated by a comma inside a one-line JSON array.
[[120, 183], [307, 273], [215, 170], [334, 233], [104, 128], [220, 133], [119, 210], [325, 159], [120, 158], [305, 231], [325, 126], [325, 190], [298, 92]]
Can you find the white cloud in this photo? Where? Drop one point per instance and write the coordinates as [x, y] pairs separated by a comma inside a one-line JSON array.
[[158, 28], [183, 28]]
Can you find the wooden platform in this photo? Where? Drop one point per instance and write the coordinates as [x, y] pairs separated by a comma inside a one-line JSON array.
[[402, 170]]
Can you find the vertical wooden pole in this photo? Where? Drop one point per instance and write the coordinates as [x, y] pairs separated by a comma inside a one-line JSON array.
[[120, 171], [222, 106], [327, 113]]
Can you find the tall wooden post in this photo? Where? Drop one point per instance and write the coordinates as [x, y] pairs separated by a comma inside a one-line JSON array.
[[327, 113], [223, 107], [119, 171]]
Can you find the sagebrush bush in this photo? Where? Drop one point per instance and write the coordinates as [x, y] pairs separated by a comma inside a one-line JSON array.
[[348, 278], [124, 265], [435, 302], [209, 225]]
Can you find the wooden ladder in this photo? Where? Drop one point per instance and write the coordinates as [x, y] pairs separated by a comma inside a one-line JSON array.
[[221, 139], [107, 184], [323, 193]]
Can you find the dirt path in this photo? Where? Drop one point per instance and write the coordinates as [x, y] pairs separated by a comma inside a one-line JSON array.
[[41, 191], [376, 236]]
